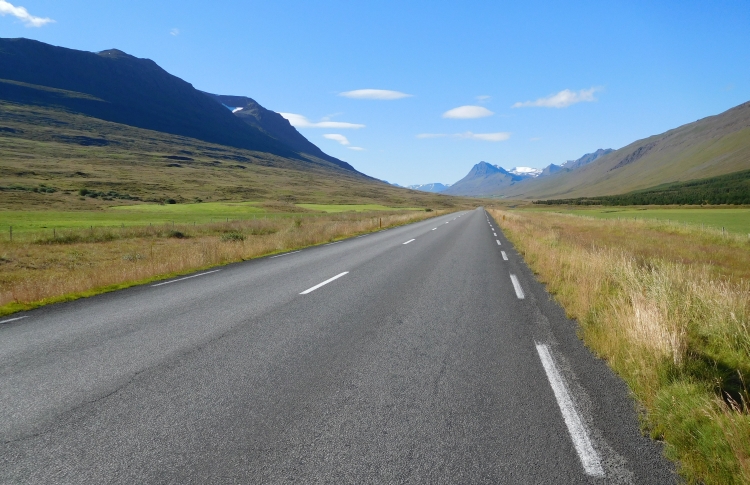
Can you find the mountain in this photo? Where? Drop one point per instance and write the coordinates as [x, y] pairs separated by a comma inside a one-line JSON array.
[[433, 187], [274, 125], [114, 86], [526, 171], [483, 180], [710, 147], [586, 159]]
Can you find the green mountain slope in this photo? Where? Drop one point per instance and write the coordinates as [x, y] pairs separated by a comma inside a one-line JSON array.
[[709, 147]]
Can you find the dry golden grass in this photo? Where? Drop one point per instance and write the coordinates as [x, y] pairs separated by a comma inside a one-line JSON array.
[[669, 309], [81, 262]]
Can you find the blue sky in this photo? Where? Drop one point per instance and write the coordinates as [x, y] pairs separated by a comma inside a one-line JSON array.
[[581, 75]]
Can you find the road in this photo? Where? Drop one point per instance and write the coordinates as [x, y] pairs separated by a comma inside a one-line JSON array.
[[425, 353]]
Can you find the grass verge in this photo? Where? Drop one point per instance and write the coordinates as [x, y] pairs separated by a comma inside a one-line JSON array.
[[81, 263], [668, 307]]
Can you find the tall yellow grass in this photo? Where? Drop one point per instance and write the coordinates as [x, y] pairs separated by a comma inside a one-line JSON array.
[[674, 322], [41, 269]]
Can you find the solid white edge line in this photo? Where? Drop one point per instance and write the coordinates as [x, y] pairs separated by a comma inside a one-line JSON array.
[[186, 278], [498, 242], [13, 319], [517, 287], [285, 254], [586, 452], [410, 240], [309, 290], [505, 256], [332, 243]]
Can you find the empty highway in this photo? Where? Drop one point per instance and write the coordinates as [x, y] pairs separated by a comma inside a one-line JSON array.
[[425, 353]]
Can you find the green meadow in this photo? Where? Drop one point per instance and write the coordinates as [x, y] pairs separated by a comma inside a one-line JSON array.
[[156, 214], [733, 220]]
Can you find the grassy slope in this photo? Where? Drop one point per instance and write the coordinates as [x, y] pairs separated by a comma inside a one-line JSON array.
[[709, 147], [41, 146]]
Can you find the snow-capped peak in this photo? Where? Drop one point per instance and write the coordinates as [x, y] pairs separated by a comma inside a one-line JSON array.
[[528, 171]]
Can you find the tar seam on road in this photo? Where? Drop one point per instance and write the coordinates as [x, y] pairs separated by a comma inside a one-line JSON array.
[[586, 452], [505, 256], [186, 278], [309, 290], [517, 287], [285, 254], [13, 319], [410, 240]]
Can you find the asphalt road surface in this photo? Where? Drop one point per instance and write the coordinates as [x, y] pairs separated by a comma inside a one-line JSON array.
[[426, 353]]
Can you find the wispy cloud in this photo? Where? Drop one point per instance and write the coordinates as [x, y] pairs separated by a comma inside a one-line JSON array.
[[175, 32], [484, 98], [536, 138], [359, 149], [563, 99], [336, 137], [468, 112], [23, 15], [381, 94], [498, 136], [299, 121]]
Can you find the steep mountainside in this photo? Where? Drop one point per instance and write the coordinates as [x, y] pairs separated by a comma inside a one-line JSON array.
[[709, 147], [586, 159], [483, 180], [274, 125], [115, 86]]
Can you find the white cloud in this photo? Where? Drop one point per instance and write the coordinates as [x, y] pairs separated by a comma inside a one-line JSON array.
[[299, 121], [336, 137], [359, 149], [468, 112], [174, 32], [484, 98], [22, 14], [381, 94], [563, 99], [498, 136]]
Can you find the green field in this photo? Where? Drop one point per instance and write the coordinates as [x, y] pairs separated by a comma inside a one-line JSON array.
[[145, 214], [351, 207], [733, 220]]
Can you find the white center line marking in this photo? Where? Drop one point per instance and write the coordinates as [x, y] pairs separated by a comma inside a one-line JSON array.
[[498, 242], [285, 254], [505, 256], [517, 287], [13, 319], [586, 452], [310, 290], [410, 240], [434, 228], [494, 234], [186, 278]]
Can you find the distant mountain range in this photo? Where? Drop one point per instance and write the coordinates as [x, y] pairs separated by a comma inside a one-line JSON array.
[[114, 86], [433, 187], [486, 180]]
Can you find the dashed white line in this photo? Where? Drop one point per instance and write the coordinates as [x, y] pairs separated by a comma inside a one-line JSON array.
[[410, 240], [285, 254], [310, 290], [517, 287], [498, 242], [186, 278], [329, 244], [494, 234], [12, 319], [586, 452], [505, 256], [434, 228], [363, 235]]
